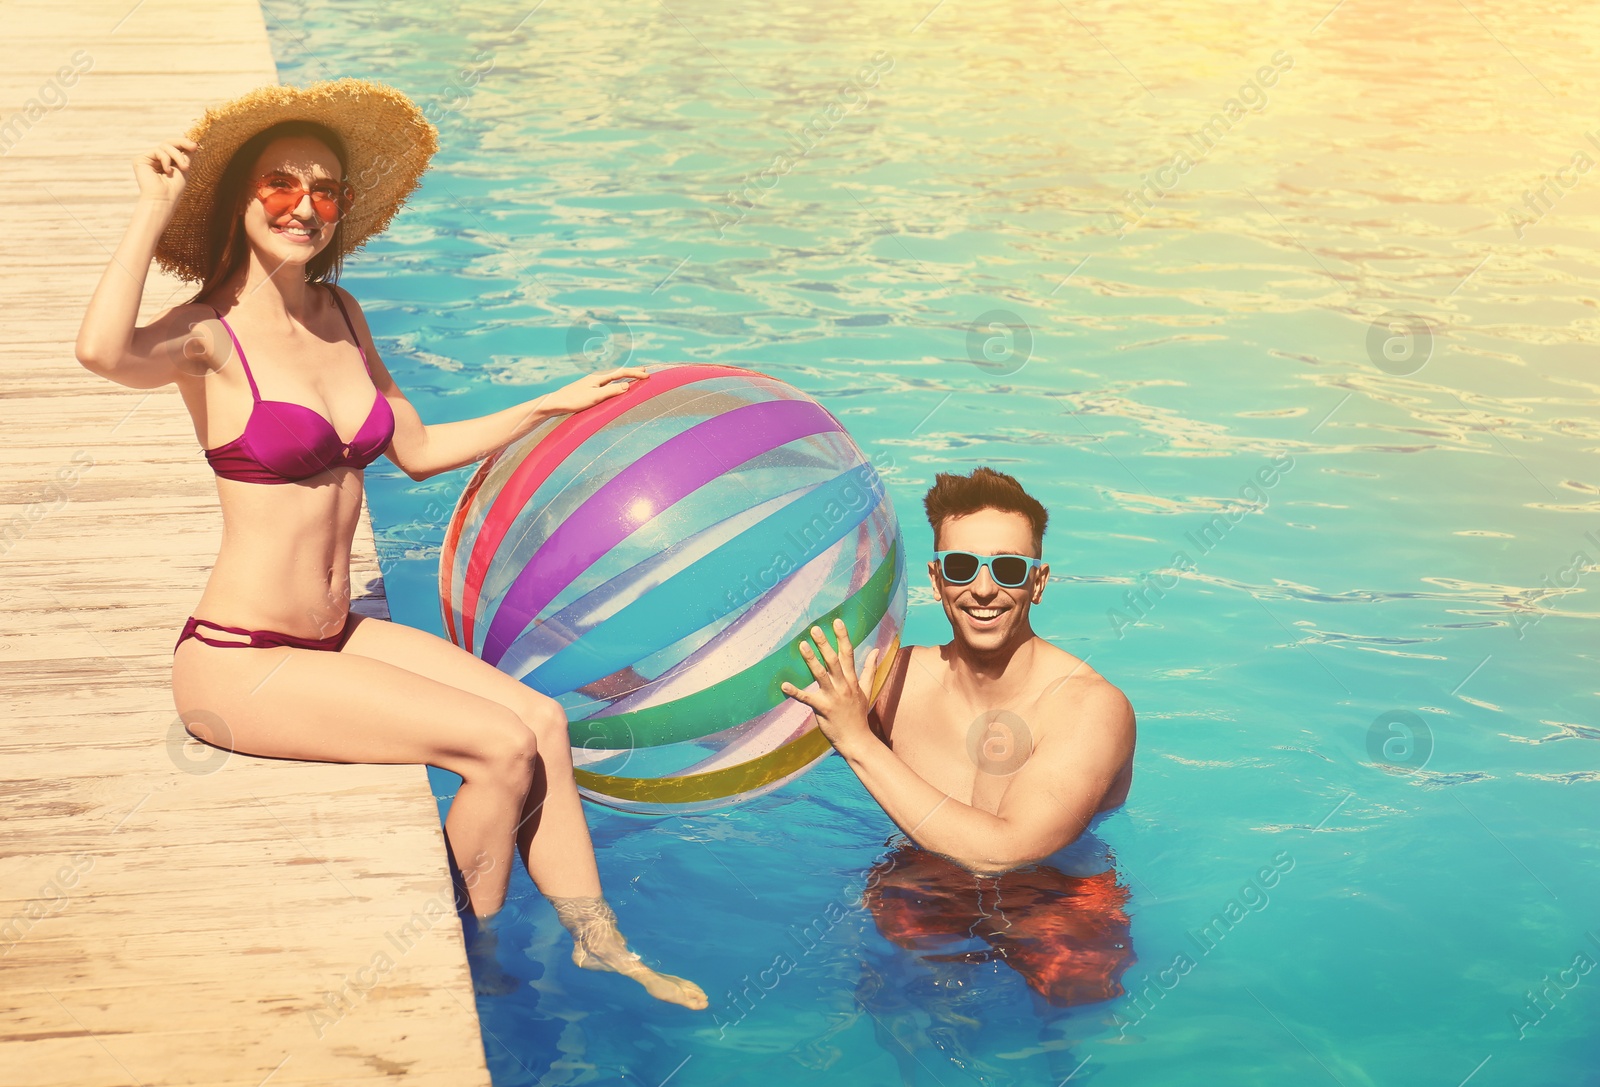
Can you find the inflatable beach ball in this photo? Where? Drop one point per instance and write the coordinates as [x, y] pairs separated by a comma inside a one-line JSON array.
[[652, 564]]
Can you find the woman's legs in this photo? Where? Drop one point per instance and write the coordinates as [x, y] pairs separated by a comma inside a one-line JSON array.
[[333, 707], [551, 833], [417, 693]]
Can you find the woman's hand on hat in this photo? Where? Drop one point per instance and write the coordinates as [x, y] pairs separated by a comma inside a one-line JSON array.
[[591, 389], [163, 170]]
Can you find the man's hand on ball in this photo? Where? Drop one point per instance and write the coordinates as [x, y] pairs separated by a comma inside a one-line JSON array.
[[840, 699]]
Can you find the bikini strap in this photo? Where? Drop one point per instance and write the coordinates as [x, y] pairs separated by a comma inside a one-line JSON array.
[[346, 315], [255, 392]]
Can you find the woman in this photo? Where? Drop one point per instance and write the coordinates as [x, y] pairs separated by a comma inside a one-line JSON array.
[[258, 206]]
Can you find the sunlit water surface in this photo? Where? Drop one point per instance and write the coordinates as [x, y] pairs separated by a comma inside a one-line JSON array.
[[1425, 555]]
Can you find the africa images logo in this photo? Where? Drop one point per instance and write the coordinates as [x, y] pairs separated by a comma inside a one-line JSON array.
[[1252, 97]]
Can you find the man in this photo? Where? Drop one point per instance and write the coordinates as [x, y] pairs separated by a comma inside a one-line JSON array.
[[996, 749]]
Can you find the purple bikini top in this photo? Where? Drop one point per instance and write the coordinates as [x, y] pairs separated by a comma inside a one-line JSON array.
[[285, 442]]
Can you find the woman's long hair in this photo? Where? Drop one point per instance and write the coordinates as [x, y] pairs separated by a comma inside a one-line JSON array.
[[226, 247]]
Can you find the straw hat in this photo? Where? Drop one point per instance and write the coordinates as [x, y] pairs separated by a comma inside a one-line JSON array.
[[388, 139]]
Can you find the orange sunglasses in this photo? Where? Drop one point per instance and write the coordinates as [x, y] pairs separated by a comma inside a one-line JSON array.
[[280, 194]]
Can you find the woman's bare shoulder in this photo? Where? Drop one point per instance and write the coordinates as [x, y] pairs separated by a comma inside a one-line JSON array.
[[203, 345]]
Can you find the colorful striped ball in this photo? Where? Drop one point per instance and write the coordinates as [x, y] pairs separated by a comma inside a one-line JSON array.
[[653, 562]]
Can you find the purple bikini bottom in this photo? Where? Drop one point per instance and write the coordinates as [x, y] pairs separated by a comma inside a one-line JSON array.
[[265, 639]]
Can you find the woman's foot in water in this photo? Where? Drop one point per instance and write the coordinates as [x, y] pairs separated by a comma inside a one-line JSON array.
[[598, 945]]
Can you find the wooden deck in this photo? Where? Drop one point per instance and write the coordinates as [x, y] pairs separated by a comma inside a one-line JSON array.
[[171, 914]]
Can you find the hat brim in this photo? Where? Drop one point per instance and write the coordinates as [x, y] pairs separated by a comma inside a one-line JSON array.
[[388, 140]]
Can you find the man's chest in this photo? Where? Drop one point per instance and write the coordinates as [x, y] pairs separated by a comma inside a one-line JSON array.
[[970, 756]]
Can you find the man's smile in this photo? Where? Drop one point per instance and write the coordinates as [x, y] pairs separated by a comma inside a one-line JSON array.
[[985, 616]]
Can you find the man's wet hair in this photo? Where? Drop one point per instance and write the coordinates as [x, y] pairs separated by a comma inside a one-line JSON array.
[[956, 496]]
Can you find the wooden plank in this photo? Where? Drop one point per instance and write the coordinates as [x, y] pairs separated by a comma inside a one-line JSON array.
[[158, 924]]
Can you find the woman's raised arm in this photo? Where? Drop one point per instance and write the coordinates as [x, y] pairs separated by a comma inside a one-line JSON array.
[[108, 343]]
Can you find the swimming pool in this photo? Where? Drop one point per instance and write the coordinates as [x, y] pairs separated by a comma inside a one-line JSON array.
[[1366, 704]]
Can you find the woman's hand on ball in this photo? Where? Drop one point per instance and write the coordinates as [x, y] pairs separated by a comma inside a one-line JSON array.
[[841, 699], [591, 389]]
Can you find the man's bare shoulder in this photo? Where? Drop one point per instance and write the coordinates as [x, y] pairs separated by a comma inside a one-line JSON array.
[[1077, 693]]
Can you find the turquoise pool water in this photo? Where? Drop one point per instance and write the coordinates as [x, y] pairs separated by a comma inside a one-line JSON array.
[[1367, 704]]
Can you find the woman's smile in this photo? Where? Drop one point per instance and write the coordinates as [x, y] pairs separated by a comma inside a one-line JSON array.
[[299, 233]]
